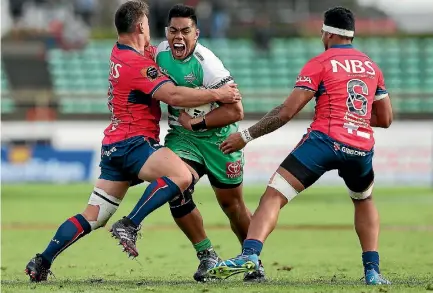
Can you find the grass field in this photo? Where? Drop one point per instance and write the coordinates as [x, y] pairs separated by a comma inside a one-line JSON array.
[[314, 249]]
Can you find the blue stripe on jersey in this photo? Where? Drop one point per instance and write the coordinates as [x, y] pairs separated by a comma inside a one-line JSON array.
[[159, 85], [321, 90], [305, 88], [344, 46], [125, 47], [380, 91], [138, 97]]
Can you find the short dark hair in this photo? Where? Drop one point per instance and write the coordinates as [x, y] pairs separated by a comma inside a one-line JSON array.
[[128, 14], [340, 17], [180, 10]]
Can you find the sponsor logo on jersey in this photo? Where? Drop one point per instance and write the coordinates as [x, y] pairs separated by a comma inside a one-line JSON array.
[[336, 146], [303, 79], [349, 151], [222, 82], [114, 69], [190, 77], [353, 152], [234, 169], [199, 56], [353, 66], [109, 152]]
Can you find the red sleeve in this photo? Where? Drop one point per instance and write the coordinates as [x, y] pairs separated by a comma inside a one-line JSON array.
[[310, 76], [381, 91], [149, 78]]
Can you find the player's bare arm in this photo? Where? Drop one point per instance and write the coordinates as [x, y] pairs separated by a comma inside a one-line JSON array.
[[224, 115], [381, 115], [272, 121], [179, 96]]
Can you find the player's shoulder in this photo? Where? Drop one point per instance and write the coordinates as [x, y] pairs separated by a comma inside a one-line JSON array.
[[206, 57], [141, 65], [324, 56], [335, 53], [365, 55], [126, 56], [316, 61], [164, 46]]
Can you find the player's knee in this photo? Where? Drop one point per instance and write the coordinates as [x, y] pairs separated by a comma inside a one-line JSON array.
[[280, 184], [230, 205], [105, 206], [183, 180], [360, 188], [182, 205], [363, 194]]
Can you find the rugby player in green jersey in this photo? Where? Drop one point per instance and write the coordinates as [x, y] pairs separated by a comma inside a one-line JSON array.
[[196, 134]]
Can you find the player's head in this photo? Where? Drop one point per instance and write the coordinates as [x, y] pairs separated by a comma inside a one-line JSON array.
[[338, 26], [182, 32], [131, 18]]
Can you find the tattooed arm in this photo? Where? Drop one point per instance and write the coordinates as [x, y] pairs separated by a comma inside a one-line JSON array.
[[275, 119], [281, 114], [269, 123]]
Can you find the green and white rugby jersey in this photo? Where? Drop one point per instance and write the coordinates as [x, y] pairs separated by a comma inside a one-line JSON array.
[[202, 69]]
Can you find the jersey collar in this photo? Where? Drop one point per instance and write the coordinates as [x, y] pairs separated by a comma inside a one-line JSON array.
[[125, 47], [345, 46]]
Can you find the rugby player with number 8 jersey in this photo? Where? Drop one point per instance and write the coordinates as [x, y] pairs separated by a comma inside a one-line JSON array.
[[351, 98]]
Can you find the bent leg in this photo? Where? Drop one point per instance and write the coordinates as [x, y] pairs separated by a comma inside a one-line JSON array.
[[185, 213], [304, 166], [190, 221], [168, 176], [282, 187], [100, 208]]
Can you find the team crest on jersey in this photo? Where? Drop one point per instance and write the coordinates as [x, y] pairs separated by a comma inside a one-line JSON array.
[[150, 72], [190, 78]]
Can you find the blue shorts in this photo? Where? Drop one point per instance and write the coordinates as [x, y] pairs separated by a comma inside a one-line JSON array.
[[318, 153], [123, 160]]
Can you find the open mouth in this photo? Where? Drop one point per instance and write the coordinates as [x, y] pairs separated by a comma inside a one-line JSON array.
[[179, 50]]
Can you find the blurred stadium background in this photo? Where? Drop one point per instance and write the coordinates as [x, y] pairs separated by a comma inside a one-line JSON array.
[[54, 74], [54, 68]]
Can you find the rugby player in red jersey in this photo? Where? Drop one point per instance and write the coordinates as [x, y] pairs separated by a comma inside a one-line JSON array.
[[350, 98], [131, 152]]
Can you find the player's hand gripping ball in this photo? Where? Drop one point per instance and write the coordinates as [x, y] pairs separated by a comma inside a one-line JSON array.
[[185, 120], [233, 143]]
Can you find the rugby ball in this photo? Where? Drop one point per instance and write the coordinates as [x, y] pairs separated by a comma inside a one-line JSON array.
[[201, 110]]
